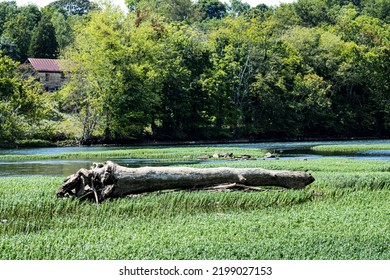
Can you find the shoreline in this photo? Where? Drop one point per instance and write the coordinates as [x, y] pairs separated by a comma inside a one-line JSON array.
[[151, 143]]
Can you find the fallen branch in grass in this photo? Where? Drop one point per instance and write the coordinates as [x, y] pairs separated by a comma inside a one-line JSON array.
[[110, 180]]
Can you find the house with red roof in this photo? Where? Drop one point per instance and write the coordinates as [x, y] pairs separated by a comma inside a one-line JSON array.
[[50, 72]]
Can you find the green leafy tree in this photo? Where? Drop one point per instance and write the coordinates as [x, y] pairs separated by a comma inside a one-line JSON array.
[[183, 113], [92, 74], [43, 42], [178, 10], [132, 5], [110, 86], [63, 30], [312, 104], [9, 48], [237, 7], [19, 27], [177, 70], [171, 10], [273, 113], [379, 63], [32, 12], [364, 30], [19, 30], [22, 102], [209, 9], [239, 50], [261, 12], [8, 10], [377, 8], [312, 12], [282, 18], [133, 103], [73, 7]]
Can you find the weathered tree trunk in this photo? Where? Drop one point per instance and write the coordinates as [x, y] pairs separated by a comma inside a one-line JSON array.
[[112, 180]]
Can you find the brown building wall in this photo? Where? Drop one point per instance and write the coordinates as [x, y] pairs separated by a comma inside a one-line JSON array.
[[51, 81]]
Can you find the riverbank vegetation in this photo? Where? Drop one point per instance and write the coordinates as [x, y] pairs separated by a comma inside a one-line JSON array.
[[344, 214], [349, 148], [179, 70], [169, 153]]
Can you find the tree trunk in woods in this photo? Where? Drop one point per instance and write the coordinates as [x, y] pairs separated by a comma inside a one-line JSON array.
[[111, 180]]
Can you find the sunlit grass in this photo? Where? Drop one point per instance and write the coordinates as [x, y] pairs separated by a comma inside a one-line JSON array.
[[173, 153], [344, 214], [350, 148], [322, 164]]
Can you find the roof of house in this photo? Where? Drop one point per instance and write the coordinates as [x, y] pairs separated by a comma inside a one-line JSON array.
[[47, 65]]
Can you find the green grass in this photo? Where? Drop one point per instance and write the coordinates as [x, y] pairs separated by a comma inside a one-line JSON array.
[[35, 143], [349, 148], [344, 214], [173, 153]]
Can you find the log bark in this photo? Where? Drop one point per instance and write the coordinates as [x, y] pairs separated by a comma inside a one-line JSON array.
[[110, 180]]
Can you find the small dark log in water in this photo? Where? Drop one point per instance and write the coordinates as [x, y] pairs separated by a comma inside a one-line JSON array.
[[111, 180]]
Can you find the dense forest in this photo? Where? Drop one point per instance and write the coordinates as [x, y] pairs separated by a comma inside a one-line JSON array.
[[197, 70]]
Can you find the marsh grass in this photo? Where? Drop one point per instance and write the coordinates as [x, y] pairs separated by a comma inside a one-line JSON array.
[[322, 164], [337, 149], [344, 214], [173, 153]]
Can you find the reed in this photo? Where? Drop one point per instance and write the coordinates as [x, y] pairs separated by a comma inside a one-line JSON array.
[[349, 148], [342, 215], [173, 153]]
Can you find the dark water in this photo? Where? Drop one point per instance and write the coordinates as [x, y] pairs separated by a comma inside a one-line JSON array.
[[285, 151]]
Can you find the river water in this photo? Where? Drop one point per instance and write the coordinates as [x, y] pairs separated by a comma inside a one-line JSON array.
[[285, 150]]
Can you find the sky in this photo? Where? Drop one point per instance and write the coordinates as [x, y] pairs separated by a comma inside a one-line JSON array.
[[121, 3]]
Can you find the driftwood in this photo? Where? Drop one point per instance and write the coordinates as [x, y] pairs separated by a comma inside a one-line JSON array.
[[110, 180]]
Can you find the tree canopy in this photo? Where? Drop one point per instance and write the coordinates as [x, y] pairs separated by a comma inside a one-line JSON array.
[[73, 7], [43, 43], [22, 103], [182, 70]]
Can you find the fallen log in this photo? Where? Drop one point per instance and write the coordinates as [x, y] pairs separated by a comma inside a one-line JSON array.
[[110, 180]]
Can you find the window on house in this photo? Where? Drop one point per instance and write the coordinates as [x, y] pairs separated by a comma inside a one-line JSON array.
[[47, 77]]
